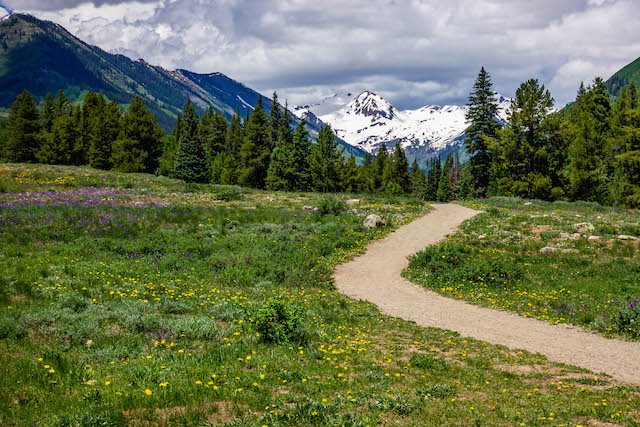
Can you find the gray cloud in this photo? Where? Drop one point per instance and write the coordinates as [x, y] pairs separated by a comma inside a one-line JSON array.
[[413, 52], [57, 4]]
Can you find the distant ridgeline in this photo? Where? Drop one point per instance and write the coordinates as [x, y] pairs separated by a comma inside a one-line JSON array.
[[42, 57]]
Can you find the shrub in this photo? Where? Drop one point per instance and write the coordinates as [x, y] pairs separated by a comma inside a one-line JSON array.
[[73, 301], [10, 327], [229, 192], [439, 391], [627, 321], [280, 323], [330, 205], [428, 362]]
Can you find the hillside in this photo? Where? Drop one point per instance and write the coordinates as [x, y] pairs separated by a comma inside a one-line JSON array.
[[43, 57], [621, 79]]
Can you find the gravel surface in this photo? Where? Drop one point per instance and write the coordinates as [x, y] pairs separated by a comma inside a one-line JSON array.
[[375, 277]]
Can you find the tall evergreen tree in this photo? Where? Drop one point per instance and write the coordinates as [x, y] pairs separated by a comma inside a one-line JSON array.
[[212, 132], [324, 162], [483, 108], [301, 152], [444, 185], [418, 180], [191, 163], [400, 170], [107, 130], [22, 129], [255, 151], [529, 154], [281, 174], [90, 116], [379, 168], [58, 145], [138, 147], [275, 118], [48, 114], [351, 176]]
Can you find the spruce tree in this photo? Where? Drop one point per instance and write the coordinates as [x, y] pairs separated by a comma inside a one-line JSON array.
[[301, 152], [325, 161], [483, 108], [107, 130], [418, 180], [233, 142], [58, 145], [351, 176], [367, 173], [90, 116], [138, 147], [22, 129], [379, 168], [47, 113], [213, 132], [281, 174], [400, 170], [275, 118], [191, 163], [255, 151], [444, 185]]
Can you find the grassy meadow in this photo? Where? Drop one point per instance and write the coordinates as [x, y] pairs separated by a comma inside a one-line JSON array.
[[138, 300]]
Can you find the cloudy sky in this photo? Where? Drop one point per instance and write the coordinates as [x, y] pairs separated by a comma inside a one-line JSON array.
[[412, 52]]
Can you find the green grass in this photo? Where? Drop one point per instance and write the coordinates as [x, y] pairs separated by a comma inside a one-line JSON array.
[[130, 299], [499, 260]]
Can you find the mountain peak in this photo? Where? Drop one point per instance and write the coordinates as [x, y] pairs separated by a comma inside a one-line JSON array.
[[369, 104]]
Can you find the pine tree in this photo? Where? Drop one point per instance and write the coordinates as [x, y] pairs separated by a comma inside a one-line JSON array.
[[530, 153], [61, 104], [324, 162], [281, 174], [483, 108], [379, 168], [138, 147], [58, 145], [255, 151], [107, 130], [418, 180], [351, 176], [587, 178], [233, 142], [301, 151], [213, 132], [90, 116], [275, 118], [22, 129], [399, 166], [433, 179], [47, 113], [444, 185], [191, 163]]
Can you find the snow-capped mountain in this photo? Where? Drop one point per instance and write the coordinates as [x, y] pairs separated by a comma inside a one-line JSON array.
[[368, 120]]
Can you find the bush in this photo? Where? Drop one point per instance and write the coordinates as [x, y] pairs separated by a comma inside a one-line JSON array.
[[73, 301], [627, 321], [439, 391], [228, 193], [428, 362], [330, 205], [11, 328], [280, 323]]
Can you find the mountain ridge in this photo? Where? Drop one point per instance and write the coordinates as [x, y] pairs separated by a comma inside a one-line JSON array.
[[43, 57]]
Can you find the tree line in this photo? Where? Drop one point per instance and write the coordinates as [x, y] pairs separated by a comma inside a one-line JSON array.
[[260, 150], [588, 151]]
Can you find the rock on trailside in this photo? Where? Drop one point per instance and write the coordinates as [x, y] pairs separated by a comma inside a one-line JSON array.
[[376, 277]]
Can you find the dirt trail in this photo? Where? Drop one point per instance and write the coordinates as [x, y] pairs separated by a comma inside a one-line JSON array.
[[375, 277]]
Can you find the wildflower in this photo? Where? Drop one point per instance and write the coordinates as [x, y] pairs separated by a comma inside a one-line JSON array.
[[148, 392]]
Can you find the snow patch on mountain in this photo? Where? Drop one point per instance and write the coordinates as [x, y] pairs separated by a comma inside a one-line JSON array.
[[368, 120]]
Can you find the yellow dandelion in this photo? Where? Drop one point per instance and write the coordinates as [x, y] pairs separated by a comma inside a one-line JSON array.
[[148, 392]]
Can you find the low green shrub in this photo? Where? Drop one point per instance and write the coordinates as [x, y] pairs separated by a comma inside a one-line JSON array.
[[428, 362], [280, 323], [331, 205]]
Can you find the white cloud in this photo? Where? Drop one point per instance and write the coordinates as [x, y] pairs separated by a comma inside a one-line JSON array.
[[3, 12], [412, 51]]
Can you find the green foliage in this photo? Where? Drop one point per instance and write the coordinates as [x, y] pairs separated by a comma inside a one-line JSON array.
[[191, 163], [428, 362], [280, 323], [483, 108], [329, 205], [138, 147], [255, 150], [22, 130], [325, 162], [627, 321]]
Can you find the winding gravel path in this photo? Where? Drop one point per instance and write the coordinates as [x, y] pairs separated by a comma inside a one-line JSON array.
[[375, 277]]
